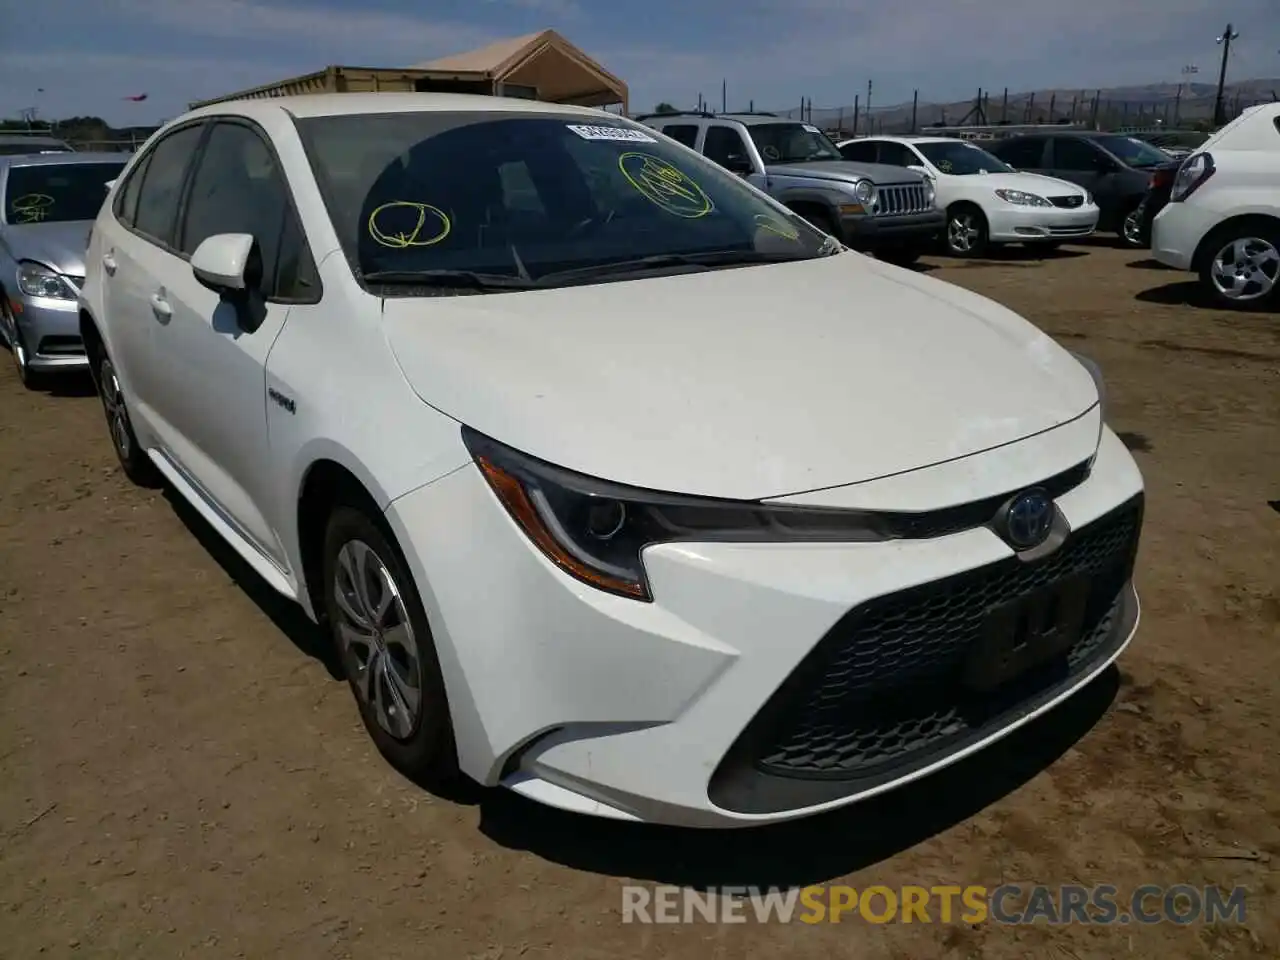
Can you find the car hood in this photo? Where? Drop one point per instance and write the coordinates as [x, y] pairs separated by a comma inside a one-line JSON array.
[[1027, 182], [844, 170], [57, 245], [742, 383]]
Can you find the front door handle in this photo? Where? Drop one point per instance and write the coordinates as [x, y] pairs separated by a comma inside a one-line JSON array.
[[109, 264], [160, 307]]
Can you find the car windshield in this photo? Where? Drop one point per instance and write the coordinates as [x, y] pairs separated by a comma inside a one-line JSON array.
[[1132, 151], [57, 192], [961, 159], [792, 143], [505, 200]]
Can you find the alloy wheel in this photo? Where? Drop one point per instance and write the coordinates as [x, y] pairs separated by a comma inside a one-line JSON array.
[[377, 640], [1132, 229], [962, 232], [114, 407], [1245, 269]]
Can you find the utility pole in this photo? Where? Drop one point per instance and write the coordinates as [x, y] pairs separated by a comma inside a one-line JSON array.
[[871, 130], [1189, 70], [1219, 110]]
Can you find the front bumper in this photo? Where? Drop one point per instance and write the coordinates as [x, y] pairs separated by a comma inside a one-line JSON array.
[[866, 230], [753, 688], [1009, 223], [50, 333]]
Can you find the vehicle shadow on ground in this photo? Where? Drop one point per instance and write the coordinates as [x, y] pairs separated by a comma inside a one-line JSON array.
[[1149, 263], [809, 851], [284, 613], [71, 385], [1017, 256]]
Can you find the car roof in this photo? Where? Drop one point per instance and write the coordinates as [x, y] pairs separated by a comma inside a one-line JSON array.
[[37, 140], [60, 159], [754, 119], [356, 104]]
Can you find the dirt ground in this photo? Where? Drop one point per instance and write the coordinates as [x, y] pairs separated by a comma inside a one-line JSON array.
[[183, 776]]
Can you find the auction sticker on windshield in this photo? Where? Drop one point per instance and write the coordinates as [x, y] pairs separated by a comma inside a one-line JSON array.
[[622, 134]]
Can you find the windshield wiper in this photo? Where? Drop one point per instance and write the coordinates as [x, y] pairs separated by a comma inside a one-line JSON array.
[[699, 261], [449, 278]]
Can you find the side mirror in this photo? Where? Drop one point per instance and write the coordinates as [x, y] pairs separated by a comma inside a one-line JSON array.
[[922, 170], [736, 163], [221, 263]]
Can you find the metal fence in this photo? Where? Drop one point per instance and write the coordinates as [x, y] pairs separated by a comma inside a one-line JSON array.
[[87, 141], [1088, 108]]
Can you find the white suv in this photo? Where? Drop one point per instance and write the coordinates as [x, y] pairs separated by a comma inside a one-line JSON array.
[[1223, 216]]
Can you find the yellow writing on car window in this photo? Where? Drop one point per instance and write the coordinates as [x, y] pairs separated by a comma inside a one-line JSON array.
[[31, 207], [400, 224], [663, 184], [775, 226]]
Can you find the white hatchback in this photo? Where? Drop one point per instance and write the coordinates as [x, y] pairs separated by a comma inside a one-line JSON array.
[[988, 203], [1223, 216], [613, 481]]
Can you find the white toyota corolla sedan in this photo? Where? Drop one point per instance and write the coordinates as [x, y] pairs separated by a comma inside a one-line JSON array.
[[614, 482]]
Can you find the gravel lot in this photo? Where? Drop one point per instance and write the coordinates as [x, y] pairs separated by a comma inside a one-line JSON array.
[[184, 777]]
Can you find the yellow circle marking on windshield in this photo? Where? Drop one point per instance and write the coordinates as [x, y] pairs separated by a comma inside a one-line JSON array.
[[664, 185], [776, 227], [399, 239], [32, 207]]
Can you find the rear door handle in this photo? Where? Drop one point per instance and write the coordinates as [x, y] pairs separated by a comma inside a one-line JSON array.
[[160, 307], [109, 264]]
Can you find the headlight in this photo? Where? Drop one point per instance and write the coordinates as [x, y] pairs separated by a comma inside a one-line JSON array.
[[1096, 372], [596, 531], [930, 192], [37, 280], [865, 192], [1023, 199]]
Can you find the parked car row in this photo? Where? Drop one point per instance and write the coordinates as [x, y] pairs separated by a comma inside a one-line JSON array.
[[49, 203], [613, 480]]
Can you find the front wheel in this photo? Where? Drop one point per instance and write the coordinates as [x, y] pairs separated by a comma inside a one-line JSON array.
[[133, 459], [1131, 231], [1244, 266], [967, 234], [380, 630], [18, 350]]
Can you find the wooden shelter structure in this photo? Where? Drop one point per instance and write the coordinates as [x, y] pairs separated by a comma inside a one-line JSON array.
[[538, 66]]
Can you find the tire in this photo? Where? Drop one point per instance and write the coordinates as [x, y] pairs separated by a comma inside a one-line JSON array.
[[899, 256], [966, 234], [1248, 252], [134, 461], [1132, 234], [394, 663], [18, 350]]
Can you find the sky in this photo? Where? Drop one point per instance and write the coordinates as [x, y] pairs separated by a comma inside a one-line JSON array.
[[73, 57]]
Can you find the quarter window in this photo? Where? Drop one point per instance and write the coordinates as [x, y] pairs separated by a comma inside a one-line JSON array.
[[1070, 154], [723, 144], [685, 133]]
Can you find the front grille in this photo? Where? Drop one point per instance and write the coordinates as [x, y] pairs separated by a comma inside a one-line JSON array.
[[1070, 231], [882, 692], [65, 346], [1070, 203], [902, 199]]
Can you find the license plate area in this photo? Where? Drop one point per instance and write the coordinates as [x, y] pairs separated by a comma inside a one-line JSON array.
[[1027, 632]]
